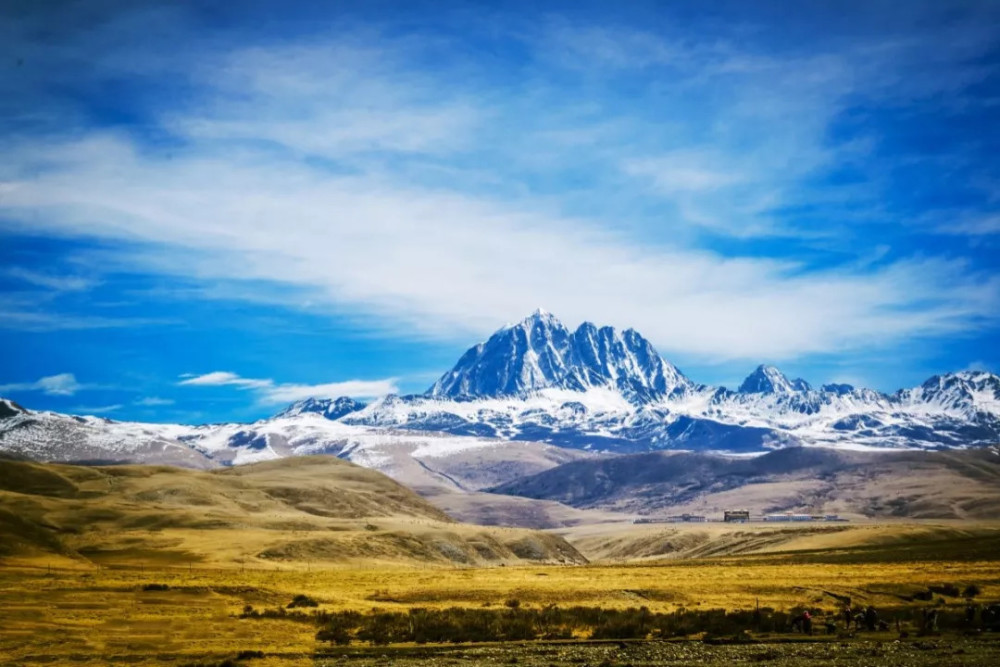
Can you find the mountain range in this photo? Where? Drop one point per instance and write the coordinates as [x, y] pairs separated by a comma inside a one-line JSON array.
[[601, 389], [553, 391]]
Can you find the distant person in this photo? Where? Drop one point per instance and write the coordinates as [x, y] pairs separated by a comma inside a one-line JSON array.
[[848, 615], [803, 623], [930, 620], [871, 618]]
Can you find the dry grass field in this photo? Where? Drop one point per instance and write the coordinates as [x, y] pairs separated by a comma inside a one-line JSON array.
[[151, 565], [98, 615]]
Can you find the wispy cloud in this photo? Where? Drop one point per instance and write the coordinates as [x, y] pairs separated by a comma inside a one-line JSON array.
[[224, 379], [97, 410], [60, 283], [153, 402], [457, 264], [971, 225], [63, 384], [39, 321], [439, 202], [270, 392]]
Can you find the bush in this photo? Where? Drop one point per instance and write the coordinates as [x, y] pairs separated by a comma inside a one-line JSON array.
[[302, 601], [337, 631], [971, 591], [156, 587], [951, 590]]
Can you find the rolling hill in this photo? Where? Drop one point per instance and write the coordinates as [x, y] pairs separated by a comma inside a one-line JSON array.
[[281, 513]]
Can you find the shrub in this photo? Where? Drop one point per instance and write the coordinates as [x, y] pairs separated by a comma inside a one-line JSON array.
[[951, 590], [971, 591], [382, 628], [302, 601], [156, 587], [337, 631]]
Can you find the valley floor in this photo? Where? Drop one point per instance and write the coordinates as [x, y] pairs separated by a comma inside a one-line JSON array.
[[873, 652], [191, 615]]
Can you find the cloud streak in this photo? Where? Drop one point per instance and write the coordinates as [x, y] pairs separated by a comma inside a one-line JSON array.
[[270, 392], [444, 264], [63, 384], [337, 168]]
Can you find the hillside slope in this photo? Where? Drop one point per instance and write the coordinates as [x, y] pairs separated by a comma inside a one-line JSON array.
[[288, 512], [914, 484]]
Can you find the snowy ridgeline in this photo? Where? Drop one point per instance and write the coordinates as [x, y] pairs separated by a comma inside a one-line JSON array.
[[593, 388]]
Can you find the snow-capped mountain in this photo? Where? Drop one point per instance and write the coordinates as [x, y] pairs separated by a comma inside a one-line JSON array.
[[536, 384], [596, 388], [540, 353], [420, 460], [769, 380]]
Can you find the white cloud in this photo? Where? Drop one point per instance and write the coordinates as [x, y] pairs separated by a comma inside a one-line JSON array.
[[436, 263], [63, 384], [154, 401], [286, 393], [223, 379], [271, 392], [98, 410], [422, 249]]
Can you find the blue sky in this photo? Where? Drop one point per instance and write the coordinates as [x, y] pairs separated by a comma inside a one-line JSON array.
[[210, 209]]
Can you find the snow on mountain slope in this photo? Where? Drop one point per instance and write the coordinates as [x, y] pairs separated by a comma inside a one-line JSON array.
[[331, 408], [534, 382], [702, 419], [419, 459], [596, 388]]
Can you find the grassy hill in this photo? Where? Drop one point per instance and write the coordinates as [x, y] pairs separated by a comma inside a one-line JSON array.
[[286, 513]]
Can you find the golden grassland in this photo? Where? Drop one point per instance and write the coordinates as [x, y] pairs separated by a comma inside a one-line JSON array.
[[79, 545], [99, 615]]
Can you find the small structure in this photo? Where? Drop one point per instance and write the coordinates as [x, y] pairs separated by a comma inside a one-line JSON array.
[[736, 516]]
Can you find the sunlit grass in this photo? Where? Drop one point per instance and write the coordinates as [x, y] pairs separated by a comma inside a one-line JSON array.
[[88, 613]]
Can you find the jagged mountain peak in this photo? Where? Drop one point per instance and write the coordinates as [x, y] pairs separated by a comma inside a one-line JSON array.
[[767, 379], [331, 408], [539, 317], [965, 391], [541, 353]]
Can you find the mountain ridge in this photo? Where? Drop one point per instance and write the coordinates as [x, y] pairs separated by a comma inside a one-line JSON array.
[[536, 381]]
